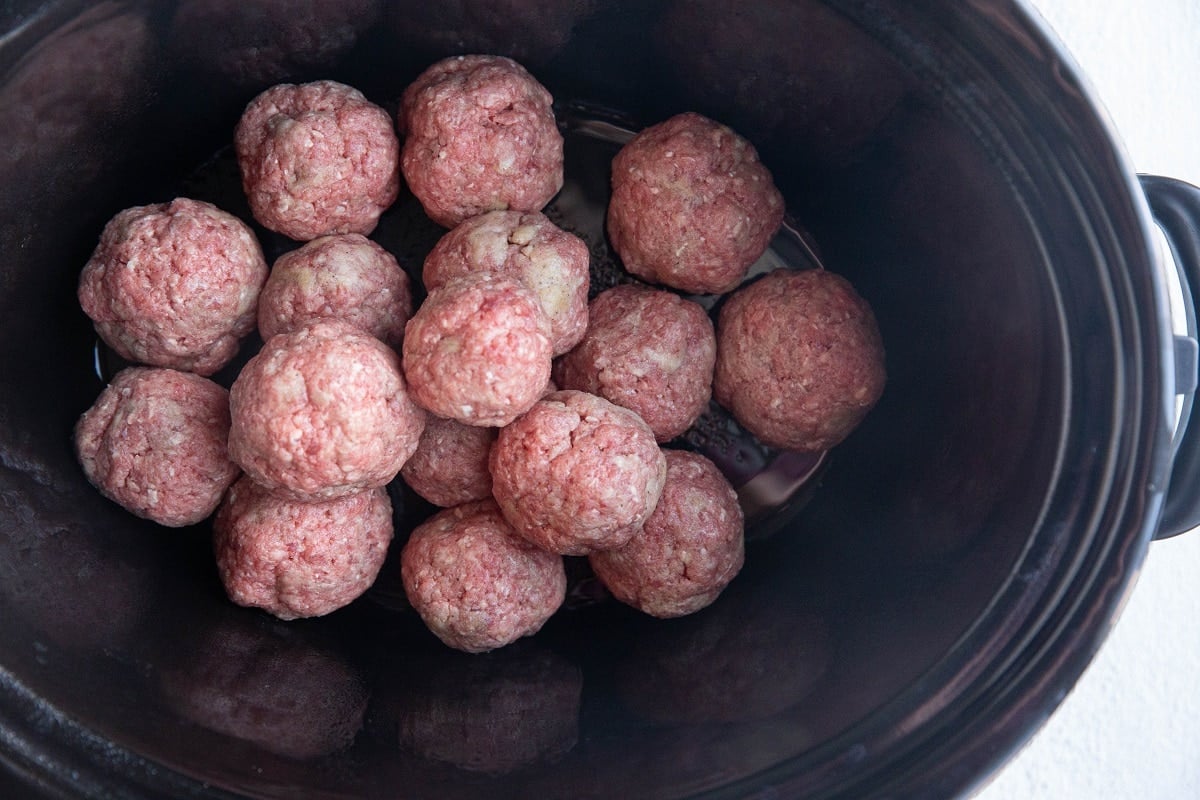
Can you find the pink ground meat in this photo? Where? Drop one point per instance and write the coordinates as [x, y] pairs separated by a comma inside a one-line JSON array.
[[800, 360], [295, 559], [174, 285], [577, 474], [648, 350], [450, 466], [527, 247], [475, 583], [480, 135], [317, 158], [692, 206], [323, 412], [343, 276], [154, 442], [690, 548], [478, 350]]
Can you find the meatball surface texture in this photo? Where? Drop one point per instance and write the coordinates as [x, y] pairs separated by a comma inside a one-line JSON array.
[[648, 350], [690, 548], [480, 135], [475, 583], [343, 276], [323, 412], [174, 285], [450, 465], [295, 559], [317, 158], [527, 247], [154, 442], [692, 206], [576, 473], [478, 350], [800, 360]]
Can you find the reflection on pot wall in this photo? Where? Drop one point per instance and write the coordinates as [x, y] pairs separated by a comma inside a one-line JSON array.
[[72, 92], [243, 675], [254, 43], [792, 75], [491, 713], [529, 31]]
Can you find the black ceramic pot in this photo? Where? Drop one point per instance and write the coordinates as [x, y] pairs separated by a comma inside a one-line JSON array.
[[907, 616]]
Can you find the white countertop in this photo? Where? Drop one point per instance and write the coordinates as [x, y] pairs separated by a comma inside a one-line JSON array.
[[1131, 727]]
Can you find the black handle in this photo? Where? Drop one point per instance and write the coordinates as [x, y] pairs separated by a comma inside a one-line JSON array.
[[1176, 208]]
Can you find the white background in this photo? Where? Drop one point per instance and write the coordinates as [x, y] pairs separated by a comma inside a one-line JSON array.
[[1131, 727]]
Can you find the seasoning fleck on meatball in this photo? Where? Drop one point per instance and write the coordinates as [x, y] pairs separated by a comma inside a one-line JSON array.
[[527, 247], [343, 276], [480, 135], [800, 361], [323, 412], [478, 350], [577, 474], [475, 583], [450, 465], [154, 443], [295, 559], [692, 206], [174, 285], [648, 350], [317, 158], [690, 548]]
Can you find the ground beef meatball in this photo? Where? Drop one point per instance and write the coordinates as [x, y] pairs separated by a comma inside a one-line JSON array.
[[154, 442], [577, 474], [344, 276], [799, 359], [648, 350], [174, 285], [478, 350], [450, 466], [295, 559], [690, 548], [323, 412], [692, 206], [528, 247], [480, 136], [475, 582], [317, 158]]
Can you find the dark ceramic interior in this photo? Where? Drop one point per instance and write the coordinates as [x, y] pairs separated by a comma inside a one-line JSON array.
[[905, 617]]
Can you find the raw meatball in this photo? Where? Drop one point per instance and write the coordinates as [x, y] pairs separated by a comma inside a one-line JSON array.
[[480, 136], [475, 583], [478, 350], [323, 412], [577, 474], [344, 276], [450, 466], [295, 559], [527, 247], [174, 285], [154, 442], [690, 548], [799, 359], [317, 158], [692, 207], [648, 350]]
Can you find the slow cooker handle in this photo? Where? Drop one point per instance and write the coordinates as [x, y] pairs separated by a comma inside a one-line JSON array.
[[1176, 208]]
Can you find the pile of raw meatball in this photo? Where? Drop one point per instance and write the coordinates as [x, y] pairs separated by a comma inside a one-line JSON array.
[[534, 419]]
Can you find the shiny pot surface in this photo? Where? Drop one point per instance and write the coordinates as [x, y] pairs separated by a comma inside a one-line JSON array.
[[908, 613]]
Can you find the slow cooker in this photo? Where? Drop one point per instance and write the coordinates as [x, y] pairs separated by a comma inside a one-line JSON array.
[[915, 602]]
